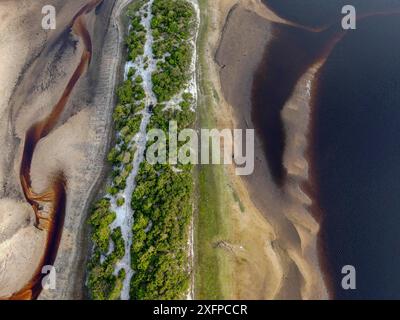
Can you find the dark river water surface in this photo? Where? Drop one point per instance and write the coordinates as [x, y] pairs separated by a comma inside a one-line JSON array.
[[357, 158], [322, 13], [354, 136]]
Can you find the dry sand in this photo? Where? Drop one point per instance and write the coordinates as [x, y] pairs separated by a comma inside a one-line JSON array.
[[277, 234], [34, 72]]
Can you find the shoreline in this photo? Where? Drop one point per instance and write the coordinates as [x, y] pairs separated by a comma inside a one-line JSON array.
[[99, 185], [194, 84], [327, 265], [74, 286], [284, 208], [232, 227]]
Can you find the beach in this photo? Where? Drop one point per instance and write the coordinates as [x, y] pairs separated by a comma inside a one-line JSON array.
[[283, 259]]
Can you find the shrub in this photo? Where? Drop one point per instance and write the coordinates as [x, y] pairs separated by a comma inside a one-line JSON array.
[[120, 202], [172, 26]]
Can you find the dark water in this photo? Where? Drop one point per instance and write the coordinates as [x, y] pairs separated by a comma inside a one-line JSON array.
[[355, 150], [320, 13], [357, 158], [286, 58]]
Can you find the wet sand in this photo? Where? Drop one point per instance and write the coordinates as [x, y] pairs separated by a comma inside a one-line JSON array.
[[77, 145], [280, 104], [250, 266], [269, 256], [278, 197]]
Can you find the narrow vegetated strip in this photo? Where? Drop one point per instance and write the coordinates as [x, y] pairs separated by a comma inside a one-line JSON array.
[[211, 184], [109, 246], [173, 26], [162, 201]]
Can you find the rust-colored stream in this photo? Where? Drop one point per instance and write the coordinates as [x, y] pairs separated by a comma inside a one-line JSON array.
[[49, 207]]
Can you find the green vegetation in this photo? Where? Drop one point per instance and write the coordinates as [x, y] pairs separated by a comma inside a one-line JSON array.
[[100, 220], [238, 201], [163, 205], [163, 199], [172, 25], [130, 101], [162, 202], [136, 38], [184, 116], [212, 216], [134, 7], [208, 284], [120, 201], [102, 284]]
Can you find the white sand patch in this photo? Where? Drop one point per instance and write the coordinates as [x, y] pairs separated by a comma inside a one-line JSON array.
[[145, 66], [124, 213]]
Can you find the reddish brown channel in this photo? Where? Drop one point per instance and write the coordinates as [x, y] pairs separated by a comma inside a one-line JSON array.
[[49, 207]]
